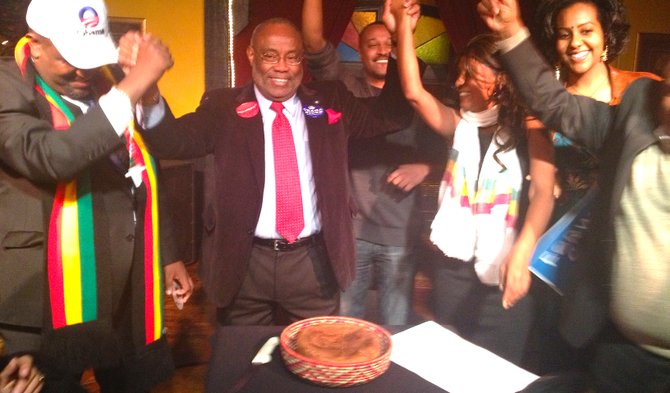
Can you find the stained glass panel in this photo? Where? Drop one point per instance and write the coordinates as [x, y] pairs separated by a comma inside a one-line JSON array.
[[430, 37]]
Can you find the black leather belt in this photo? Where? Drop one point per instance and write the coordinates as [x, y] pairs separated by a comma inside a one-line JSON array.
[[283, 245]]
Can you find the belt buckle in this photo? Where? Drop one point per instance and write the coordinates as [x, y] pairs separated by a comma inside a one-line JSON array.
[[276, 243]]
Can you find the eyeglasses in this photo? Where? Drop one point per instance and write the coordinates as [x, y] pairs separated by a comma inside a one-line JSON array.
[[273, 58]]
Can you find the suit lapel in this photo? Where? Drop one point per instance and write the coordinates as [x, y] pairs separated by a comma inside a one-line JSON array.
[[316, 127], [252, 129]]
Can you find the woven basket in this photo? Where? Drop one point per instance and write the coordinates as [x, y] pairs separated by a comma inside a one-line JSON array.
[[329, 373]]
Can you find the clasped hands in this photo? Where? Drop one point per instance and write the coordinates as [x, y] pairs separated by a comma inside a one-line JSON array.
[[144, 59]]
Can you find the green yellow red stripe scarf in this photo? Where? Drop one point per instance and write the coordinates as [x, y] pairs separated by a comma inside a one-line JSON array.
[[71, 257]]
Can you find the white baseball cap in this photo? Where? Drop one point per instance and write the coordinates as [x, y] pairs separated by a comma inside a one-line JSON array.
[[78, 29]]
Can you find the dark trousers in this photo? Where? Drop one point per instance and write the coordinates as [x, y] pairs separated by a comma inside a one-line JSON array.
[[620, 366], [110, 380], [281, 287], [475, 310], [615, 365], [134, 373], [550, 353]]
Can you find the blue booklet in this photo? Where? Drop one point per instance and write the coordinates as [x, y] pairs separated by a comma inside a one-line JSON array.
[[556, 251]]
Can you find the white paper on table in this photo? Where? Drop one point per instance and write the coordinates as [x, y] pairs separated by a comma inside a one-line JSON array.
[[443, 358]]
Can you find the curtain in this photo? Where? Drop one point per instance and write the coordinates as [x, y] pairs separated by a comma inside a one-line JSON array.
[[336, 17], [461, 20]]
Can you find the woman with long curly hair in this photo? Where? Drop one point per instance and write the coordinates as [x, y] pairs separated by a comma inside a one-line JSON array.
[[489, 216]]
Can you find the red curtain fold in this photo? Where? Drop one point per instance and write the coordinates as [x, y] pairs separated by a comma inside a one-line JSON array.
[[336, 16], [461, 20]]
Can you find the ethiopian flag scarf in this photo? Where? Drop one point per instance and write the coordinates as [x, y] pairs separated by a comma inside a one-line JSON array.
[[74, 276]]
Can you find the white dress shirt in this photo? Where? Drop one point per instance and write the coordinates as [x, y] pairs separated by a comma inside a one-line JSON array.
[[266, 226]]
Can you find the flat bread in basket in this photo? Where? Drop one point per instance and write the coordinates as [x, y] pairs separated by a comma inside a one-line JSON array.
[[336, 351], [339, 343]]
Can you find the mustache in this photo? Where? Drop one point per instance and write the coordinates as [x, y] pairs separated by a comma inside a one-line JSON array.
[[75, 76]]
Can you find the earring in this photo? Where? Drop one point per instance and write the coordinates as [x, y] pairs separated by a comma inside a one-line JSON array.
[[603, 56], [557, 72], [495, 94]]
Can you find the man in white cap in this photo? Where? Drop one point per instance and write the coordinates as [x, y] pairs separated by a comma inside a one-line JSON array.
[[83, 249]]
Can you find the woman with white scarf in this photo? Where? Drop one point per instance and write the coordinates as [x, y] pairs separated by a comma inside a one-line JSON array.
[[489, 216]]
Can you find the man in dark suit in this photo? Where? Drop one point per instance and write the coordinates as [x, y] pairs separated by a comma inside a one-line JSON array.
[[254, 272], [80, 262], [619, 300]]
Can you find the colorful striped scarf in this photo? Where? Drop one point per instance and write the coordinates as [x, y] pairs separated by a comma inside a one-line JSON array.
[[478, 208], [71, 254]]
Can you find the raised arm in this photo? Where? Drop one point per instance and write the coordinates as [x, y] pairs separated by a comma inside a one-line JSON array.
[[501, 16], [145, 59], [312, 26], [580, 118], [436, 115], [321, 57]]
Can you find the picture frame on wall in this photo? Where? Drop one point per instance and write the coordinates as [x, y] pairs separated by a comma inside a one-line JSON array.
[[118, 26], [653, 52]]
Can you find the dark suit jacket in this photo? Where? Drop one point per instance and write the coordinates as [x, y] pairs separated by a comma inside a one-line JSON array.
[[232, 213], [33, 159], [616, 134]]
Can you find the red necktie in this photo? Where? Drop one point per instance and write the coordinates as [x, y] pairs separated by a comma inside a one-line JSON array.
[[290, 221]]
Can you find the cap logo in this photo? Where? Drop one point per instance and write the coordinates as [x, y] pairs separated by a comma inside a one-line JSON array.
[[89, 17]]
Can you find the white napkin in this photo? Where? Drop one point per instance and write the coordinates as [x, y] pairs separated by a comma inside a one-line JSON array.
[[443, 358]]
